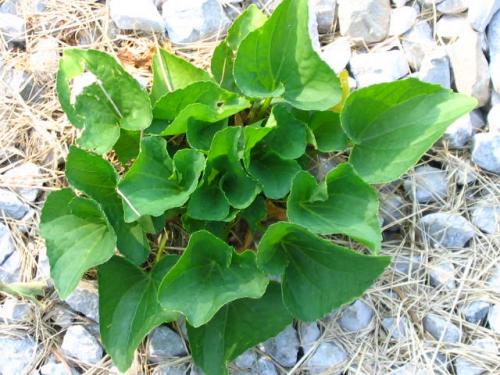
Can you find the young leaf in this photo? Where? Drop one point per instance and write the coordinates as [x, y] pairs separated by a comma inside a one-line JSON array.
[[114, 101], [392, 124], [156, 183], [317, 276], [78, 237], [342, 203], [237, 327], [209, 275], [199, 134], [327, 131], [278, 59], [217, 228], [254, 213], [97, 178], [171, 73], [224, 54], [208, 202], [128, 306]]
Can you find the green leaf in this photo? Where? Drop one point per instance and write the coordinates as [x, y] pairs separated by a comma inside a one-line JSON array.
[[78, 237], [128, 306], [327, 131], [237, 327], [254, 213], [342, 203], [199, 134], [278, 59], [225, 53], [317, 276], [128, 145], [114, 101], [171, 73], [209, 275], [156, 183], [208, 202], [392, 125], [97, 178], [217, 228], [253, 134]]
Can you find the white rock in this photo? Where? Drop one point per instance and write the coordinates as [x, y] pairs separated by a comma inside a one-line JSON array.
[[464, 366], [14, 310], [43, 265], [495, 98], [10, 269], [402, 20], [171, 370], [450, 26], [442, 329], [246, 359], [494, 279], [18, 354], [366, 20], [6, 243], [337, 54], [53, 368], [486, 216], [356, 317], [435, 68], [19, 82], [397, 328], [486, 151], [399, 3], [477, 119], [9, 6], [447, 230], [409, 369], [481, 12], [24, 178], [391, 208], [494, 118], [469, 65], [265, 367], [85, 300], [476, 311], [459, 133], [465, 174], [11, 205], [44, 58], [407, 265], [164, 344], [494, 318], [442, 274], [378, 67], [417, 43], [12, 28], [493, 35], [325, 14], [80, 344], [327, 356], [452, 6], [283, 348], [427, 184], [62, 317], [138, 15], [309, 333], [190, 21]]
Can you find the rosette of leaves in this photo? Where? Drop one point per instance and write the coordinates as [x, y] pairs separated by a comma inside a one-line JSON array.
[[224, 154]]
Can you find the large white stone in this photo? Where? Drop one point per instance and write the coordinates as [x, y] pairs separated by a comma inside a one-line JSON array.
[[136, 15], [447, 230], [189, 21], [364, 20], [25, 179], [493, 34], [480, 13], [452, 6], [81, 344], [12, 27], [402, 20], [450, 26], [435, 68], [378, 67], [337, 54], [17, 354], [486, 151], [417, 43]]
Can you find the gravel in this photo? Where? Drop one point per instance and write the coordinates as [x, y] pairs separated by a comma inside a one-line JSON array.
[[80, 344], [486, 216], [402, 20], [481, 12], [246, 359], [494, 318], [452, 6], [442, 329], [391, 208], [15, 311], [164, 344], [427, 184], [417, 43], [459, 133], [486, 151], [325, 14], [450, 26], [446, 230], [435, 68], [24, 177], [136, 15], [486, 346], [85, 300], [327, 356], [356, 317], [18, 354], [337, 54], [309, 333], [476, 311], [397, 328], [494, 118], [11, 205], [493, 34], [442, 275], [12, 28], [378, 67], [284, 348]]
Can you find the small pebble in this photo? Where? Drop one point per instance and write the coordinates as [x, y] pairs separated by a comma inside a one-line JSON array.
[[435, 68], [309, 333], [378, 67], [18, 354], [442, 274], [80, 344], [476, 311], [85, 300], [328, 355], [486, 216], [446, 230], [450, 27], [284, 348], [464, 366], [486, 151], [494, 118], [442, 329], [337, 54], [11, 205], [427, 184], [459, 133], [396, 327], [494, 318], [135, 15], [402, 20], [164, 344], [15, 311], [356, 317]]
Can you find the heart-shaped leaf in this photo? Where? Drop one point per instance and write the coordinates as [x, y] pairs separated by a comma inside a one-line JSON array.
[[327, 131]]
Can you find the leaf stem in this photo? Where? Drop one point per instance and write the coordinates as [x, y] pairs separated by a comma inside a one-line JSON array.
[[161, 246]]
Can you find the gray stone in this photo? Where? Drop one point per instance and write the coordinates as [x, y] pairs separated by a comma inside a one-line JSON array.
[[85, 300], [6, 243], [494, 118], [409, 369], [447, 230], [442, 274], [459, 133], [356, 317], [284, 348], [417, 43], [43, 265], [378, 67], [164, 343], [62, 317], [325, 164], [407, 265], [481, 12], [494, 279], [442, 329], [189, 21], [11, 205], [44, 58], [486, 216], [265, 367], [452, 6], [15, 311], [494, 318], [427, 184], [24, 178], [246, 359], [80, 344], [397, 328], [12, 28], [325, 14], [435, 68], [337, 54], [465, 174], [364, 20], [464, 366], [469, 65], [136, 15], [53, 368], [486, 151], [10, 269], [477, 119], [391, 208], [328, 355], [402, 20], [20, 82], [476, 311], [309, 333], [9, 6], [450, 26], [171, 370], [493, 35], [18, 355]]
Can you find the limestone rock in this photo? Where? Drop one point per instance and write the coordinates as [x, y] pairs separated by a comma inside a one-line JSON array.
[[486, 216], [24, 178], [11, 205], [493, 35], [476, 311], [337, 54], [12, 28], [442, 274], [459, 133], [378, 67], [136, 15], [164, 344], [452, 6], [356, 317], [18, 354], [486, 151], [85, 300], [427, 184], [80, 344], [481, 12], [447, 230], [417, 43], [327, 356], [284, 347], [442, 329], [435, 68], [397, 328], [402, 20]]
